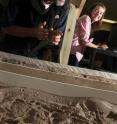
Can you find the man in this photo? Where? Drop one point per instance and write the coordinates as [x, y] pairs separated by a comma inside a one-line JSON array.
[[55, 20], [22, 25]]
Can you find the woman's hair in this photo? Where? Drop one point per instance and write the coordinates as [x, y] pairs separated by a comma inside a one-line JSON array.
[[93, 6]]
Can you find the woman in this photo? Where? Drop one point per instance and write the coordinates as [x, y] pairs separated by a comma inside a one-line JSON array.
[[81, 38]]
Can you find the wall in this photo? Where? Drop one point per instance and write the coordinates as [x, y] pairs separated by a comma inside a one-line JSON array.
[[4, 2]]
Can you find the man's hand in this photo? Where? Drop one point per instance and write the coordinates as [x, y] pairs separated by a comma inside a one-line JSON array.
[[55, 36], [41, 32]]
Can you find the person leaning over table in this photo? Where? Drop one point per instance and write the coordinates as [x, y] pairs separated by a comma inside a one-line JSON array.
[[81, 38], [22, 25]]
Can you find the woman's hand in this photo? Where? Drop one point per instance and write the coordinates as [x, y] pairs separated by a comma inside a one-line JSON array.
[[103, 45]]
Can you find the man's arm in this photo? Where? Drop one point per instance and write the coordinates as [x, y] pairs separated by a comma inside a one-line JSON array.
[[25, 32]]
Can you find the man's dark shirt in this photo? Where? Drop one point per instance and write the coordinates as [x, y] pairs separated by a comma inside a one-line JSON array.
[[21, 13], [57, 17]]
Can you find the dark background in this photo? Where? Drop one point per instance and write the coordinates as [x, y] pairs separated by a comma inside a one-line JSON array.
[[110, 4]]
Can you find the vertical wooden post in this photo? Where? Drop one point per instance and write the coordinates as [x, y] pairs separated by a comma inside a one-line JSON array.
[[75, 10]]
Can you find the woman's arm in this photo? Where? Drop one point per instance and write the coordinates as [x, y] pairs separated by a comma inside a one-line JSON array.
[[92, 45], [84, 30]]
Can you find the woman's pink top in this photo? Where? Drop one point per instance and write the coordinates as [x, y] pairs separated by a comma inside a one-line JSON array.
[[81, 36]]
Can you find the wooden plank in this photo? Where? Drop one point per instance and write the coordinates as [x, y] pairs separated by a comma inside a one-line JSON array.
[[81, 77], [68, 36], [57, 72], [77, 3], [56, 88]]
